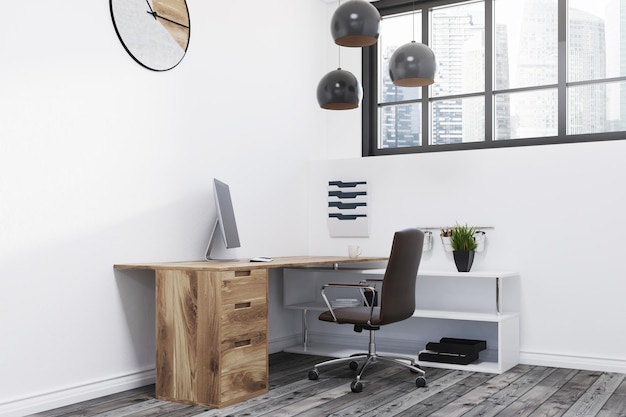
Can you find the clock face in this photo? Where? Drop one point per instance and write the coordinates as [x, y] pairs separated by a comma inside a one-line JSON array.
[[154, 32]]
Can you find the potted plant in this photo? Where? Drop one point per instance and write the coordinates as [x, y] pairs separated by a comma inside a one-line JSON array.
[[463, 246]]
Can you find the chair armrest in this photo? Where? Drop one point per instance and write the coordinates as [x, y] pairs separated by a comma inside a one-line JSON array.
[[345, 285], [362, 289]]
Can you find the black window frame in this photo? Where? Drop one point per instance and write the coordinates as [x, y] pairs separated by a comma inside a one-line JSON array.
[[370, 77]]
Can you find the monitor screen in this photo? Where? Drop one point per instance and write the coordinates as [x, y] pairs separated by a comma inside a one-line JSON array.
[[225, 218]]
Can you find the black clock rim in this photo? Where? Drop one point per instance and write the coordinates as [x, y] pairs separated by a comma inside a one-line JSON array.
[[119, 36]]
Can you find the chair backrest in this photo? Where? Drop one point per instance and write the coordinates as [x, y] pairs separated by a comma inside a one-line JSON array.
[[397, 301]]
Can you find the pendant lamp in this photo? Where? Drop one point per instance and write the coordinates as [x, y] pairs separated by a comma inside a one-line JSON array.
[[339, 90], [413, 64], [355, 23]]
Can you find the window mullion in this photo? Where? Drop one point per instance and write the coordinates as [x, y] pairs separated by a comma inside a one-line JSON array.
[[489, 64], [562, 69], [425, 89]]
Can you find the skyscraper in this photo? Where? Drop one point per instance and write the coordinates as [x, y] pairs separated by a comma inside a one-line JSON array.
[[458, 42], [586, 104]]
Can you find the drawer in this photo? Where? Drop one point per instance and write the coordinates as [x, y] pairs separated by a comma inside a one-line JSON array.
[[243, 286], [243, 318], [244, 372]]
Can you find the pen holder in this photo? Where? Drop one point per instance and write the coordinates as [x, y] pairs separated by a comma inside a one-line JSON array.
[[480, 238], [428, 241]]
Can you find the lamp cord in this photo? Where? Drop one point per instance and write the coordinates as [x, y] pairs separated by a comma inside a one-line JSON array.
[[338, 47], [413, 20], [339, 57]]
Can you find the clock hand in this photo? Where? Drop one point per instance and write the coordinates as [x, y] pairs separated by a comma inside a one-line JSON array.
[[165, 18], [151, 11]]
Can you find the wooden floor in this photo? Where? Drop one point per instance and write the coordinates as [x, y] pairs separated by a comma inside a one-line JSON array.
[[390, 391]]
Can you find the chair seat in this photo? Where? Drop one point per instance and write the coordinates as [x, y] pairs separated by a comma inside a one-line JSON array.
[[353, 315]]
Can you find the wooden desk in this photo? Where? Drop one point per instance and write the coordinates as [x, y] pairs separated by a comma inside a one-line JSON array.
[[211, 327]]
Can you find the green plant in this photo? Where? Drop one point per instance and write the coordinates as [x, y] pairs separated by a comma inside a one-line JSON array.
[[462, 238]]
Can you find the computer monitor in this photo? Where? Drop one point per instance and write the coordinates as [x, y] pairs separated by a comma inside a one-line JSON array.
[[224, 221]]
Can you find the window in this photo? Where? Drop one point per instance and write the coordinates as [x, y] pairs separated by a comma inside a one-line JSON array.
[[509, 73]]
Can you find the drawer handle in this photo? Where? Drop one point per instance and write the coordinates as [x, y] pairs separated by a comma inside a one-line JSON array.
[[246, 304], [241, 343], [243, 273]]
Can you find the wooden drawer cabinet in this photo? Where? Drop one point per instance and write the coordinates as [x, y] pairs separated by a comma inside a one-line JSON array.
[[211, 326], [211, 336]]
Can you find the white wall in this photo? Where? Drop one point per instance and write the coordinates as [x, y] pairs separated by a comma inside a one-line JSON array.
[[558, 218], [103, 162]]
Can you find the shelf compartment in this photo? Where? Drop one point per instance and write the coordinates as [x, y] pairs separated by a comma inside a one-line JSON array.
[[420, 313], [463, 315]]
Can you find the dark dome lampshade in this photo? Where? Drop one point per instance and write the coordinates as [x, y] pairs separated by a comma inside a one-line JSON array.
[[413, 65], [355, 23], [339, 90]]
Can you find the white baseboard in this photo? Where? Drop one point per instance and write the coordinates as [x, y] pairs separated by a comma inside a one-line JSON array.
[[279, 344], [61, 398], [573, 362]]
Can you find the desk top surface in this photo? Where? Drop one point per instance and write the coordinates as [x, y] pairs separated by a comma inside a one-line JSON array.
[[245, 264]]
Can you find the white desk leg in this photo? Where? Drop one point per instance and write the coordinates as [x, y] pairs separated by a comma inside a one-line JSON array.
[[305, 329], [498, 295]]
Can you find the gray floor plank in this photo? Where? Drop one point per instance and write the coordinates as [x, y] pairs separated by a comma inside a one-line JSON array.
[[616, 405], [507, 395], [410, 399], [481, 393], [539, 394], [592, 401], [441, 399], [566, 395]]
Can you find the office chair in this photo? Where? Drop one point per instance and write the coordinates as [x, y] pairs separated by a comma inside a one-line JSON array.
[[397, 303]]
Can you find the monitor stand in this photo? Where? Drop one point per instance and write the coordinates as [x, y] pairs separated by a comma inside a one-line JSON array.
[[214, 233]]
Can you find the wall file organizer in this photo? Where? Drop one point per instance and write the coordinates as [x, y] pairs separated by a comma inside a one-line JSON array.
[[347, 209]]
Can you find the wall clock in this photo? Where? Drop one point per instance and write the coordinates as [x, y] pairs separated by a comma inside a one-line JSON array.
[[154, 32]]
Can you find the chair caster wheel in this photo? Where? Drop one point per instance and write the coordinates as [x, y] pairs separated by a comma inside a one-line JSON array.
[[356, 386], [354, 365], [314, 375], [420, 382]]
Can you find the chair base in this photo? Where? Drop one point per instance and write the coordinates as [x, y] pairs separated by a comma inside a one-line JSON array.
[[370, 358]]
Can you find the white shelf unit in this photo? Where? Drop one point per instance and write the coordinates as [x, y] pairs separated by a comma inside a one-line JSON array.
[[472, 305]]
